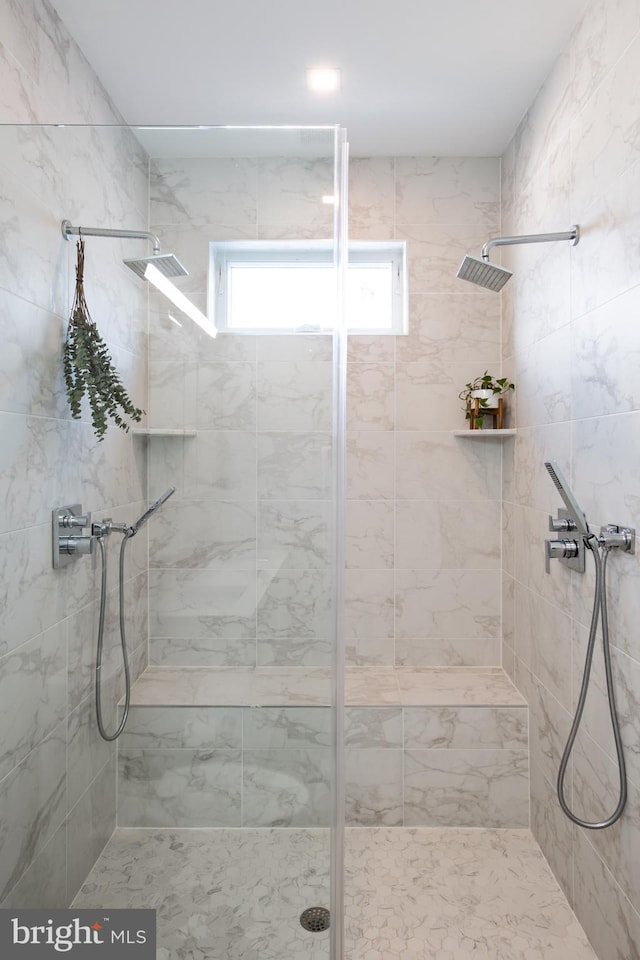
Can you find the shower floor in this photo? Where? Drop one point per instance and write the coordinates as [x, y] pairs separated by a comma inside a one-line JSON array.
[[411, 893]]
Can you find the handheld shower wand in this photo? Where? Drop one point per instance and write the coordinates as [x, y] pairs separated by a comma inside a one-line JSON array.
[[152, 509], [568, 498], [599, 612], [100, 531]]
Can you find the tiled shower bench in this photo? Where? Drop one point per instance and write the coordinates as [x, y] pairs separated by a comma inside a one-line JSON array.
[[233, 747]]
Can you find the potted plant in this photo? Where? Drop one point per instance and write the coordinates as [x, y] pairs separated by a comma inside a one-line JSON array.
[[483, 394]]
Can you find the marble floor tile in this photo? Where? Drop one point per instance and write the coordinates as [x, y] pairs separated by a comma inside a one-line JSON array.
[[411, 894]]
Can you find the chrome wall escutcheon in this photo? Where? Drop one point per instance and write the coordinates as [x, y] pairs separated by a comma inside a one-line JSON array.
[[67, 547]]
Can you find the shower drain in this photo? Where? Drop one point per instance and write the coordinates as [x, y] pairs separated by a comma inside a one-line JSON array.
[[315, 919]]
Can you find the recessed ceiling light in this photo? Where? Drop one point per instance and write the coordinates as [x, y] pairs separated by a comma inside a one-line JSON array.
[[323, 79]]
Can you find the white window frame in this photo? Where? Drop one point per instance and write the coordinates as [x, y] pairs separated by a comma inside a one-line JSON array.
[[223, 254]]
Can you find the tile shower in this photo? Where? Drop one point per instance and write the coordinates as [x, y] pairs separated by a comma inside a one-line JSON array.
[[416, 604]]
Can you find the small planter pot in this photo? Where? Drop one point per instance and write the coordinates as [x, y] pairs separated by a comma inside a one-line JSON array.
[[489, 396]]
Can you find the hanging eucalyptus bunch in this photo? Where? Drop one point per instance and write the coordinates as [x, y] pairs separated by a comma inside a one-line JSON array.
[[88, 367]]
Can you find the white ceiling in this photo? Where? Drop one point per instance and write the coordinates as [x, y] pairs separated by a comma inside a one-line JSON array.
[[442, 77]]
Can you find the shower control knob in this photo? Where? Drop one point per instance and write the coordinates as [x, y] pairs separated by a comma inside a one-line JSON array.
[[561, 524], [68, 521], [559, 550], [76, 546]]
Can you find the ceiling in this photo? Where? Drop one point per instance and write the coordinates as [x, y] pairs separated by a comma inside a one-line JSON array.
[[440, 77]]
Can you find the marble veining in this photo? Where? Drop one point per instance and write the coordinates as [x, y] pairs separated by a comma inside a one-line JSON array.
[[283, 686], [411, 893]]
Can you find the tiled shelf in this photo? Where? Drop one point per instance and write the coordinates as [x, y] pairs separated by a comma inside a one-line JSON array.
[[484, 434], [162, 432]]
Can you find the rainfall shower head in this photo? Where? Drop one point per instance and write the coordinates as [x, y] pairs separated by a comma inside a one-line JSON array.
[[486, 274], [483, 273], [568, 498], [167, 263]]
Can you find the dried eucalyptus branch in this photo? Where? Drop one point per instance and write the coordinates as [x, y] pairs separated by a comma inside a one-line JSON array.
[[88, 368]]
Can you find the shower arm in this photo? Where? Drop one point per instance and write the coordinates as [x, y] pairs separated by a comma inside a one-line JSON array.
[[68, 231], [573, 235]]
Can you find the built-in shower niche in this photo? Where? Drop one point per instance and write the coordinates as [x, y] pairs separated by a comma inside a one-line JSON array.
[[432, 747]]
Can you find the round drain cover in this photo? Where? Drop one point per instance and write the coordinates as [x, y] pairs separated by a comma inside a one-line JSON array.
[[315, 919]]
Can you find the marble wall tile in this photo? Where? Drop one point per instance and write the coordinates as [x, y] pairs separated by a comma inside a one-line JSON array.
[[35, 596], [373, 787], [601, 492], [203, 190], [295, 534], [367, 652], [370, 396], [294, 466], [87, 752], [287, 788], [32, 339], [453, 327], [176, 787], [294, 604], [271, 728], [370, 534], [369, 604], [608, 918], [35, 674], [43, 884], [170, 342], [447, 651], [219, 466], [427, 394], [33, 804], [543, 387], [371, 465], [466, 788], [598, 40], [595, 795], [447, 603], [172, 394], [605, 346], [465, 728], [437, 534], [552, 829], [294, 652], [605, 263], [290, 190], [605, 138], [370, 727], [295, 348], [374, 348], [439, 466], [202, 651], [225, 396], [181, 727], [89, 825], [371, 192], [216, 535], [202, 603], [446, 190], [544, 642], [294, 396], [549, 723]]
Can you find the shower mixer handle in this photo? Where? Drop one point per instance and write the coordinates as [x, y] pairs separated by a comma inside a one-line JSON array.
[[76, 546], [561, 524], [564, 549]]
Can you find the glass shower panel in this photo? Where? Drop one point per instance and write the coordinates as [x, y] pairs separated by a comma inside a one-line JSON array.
[[223, 785], [242, 569]]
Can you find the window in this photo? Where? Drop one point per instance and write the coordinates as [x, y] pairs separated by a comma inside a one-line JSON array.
[[286, 287]]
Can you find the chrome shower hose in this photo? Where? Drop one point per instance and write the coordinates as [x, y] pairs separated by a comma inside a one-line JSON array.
[[599, 612], [126, 536]]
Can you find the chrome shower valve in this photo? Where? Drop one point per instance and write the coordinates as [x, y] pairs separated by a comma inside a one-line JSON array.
[[564, 549]]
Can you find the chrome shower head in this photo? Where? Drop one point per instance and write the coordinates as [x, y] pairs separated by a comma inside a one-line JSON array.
[[483, 273], [167, 263], [568, 498], [486, 274]]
